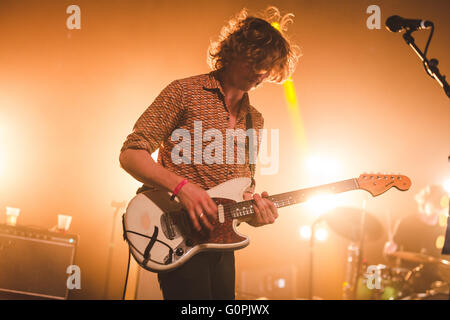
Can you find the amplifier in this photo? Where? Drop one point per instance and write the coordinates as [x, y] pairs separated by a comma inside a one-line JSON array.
[[270, 283], [34, 262]]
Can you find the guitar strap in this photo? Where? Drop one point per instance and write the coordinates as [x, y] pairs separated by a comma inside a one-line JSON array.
[[249, 125]]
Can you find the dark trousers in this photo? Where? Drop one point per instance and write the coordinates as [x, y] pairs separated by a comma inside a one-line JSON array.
[[207, 275]]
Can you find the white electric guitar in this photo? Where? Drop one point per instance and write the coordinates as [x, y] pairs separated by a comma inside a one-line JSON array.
[[162, 238]]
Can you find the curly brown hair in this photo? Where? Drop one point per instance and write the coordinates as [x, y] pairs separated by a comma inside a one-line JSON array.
[[261, 42]]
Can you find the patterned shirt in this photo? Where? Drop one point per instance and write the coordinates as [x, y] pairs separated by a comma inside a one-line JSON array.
[[196, 105]]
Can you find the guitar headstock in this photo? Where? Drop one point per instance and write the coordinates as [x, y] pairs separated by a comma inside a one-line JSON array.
[[377, 184]]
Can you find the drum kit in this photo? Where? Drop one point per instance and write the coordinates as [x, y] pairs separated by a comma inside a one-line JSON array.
[[384, 281], [398, 283]]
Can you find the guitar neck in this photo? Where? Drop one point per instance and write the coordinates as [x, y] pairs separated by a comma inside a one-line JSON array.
[[245, 208]]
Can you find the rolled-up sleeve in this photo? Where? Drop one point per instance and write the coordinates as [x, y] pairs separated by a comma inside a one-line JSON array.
[[158, 121]]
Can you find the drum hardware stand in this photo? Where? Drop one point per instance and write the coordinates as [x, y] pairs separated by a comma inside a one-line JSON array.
[[361, 245], [414, 271], [351, 279], [354, 261], [407, 287]]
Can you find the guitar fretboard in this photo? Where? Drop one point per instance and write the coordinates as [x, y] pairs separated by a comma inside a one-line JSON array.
[[245, 208]]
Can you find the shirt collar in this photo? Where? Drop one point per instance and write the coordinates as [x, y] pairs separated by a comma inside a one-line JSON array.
[[212, 83]]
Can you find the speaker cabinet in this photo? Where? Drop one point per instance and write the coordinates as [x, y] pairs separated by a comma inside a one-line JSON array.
[[34, 262]]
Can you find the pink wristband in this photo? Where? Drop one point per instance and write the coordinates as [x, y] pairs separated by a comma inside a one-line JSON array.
[[178, 188]]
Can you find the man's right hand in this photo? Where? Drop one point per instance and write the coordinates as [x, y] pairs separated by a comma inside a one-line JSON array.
[[201, 208]]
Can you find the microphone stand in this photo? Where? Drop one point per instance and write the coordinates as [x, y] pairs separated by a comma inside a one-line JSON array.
[[311, 257], [117, 206], [446, 247], [431, 65]]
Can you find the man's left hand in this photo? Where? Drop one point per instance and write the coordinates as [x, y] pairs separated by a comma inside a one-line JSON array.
[[265, 210]]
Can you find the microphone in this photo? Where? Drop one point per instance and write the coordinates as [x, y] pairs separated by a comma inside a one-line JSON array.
[[397, 24]]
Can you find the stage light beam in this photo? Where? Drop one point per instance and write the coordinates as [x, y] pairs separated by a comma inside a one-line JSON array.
[[321, 203], [321, 234], [323, 168], [305, 232], [293, 106], [2, 152], [446, 186], [2, 163]]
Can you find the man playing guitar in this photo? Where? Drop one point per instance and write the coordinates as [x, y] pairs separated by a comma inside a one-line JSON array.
[[249, 51]]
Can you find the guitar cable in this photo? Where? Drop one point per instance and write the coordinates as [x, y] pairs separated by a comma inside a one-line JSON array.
[[129, 256], [128, 270], [152, 239]]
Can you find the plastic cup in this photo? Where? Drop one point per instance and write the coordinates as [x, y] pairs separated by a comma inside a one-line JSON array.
[[64, 222], [11, 215]]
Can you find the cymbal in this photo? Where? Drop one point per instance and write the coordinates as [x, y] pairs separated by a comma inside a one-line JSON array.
[[415, 257], [346, 221]]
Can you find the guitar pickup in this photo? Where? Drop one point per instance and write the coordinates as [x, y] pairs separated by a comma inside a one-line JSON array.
[[167, 226], [221, 213]]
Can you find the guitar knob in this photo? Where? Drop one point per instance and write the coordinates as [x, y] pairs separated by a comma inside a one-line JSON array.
[[189, 242], [179, 252]]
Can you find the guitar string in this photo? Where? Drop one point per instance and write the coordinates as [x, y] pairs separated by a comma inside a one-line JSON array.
[[281, 200]]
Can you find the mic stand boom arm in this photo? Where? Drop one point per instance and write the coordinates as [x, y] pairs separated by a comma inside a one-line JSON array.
[[431, 65]]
